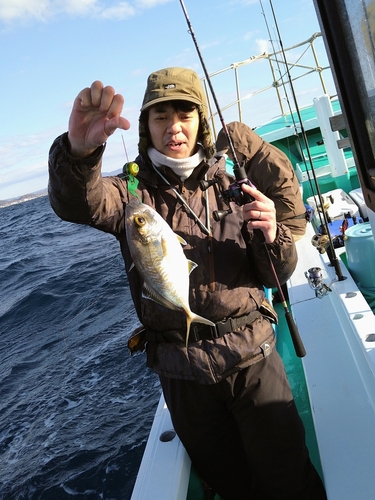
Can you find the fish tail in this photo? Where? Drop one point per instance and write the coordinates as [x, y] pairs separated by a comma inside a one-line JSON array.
[[195, 318], [188, 323]]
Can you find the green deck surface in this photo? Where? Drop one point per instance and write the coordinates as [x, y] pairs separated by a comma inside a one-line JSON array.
[[294, 369]]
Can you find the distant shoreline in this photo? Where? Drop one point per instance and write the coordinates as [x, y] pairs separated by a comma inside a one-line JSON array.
[[23, 198], [42, 192]]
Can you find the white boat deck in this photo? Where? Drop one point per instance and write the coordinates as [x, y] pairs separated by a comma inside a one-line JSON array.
[[339, 368]]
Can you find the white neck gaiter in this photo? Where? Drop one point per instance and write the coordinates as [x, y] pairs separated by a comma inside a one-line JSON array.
[[182, 167]]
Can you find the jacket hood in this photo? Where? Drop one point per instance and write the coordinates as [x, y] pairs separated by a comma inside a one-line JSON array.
[[170, 84], [245, 140]]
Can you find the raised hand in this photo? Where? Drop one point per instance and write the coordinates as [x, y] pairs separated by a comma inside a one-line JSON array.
[[96, 114]]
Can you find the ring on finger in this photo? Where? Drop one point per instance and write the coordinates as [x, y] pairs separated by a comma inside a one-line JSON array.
[[260, 215]]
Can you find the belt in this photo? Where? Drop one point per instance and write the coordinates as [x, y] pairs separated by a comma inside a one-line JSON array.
[[199, 331]]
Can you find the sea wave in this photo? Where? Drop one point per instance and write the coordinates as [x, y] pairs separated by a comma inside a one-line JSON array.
[[76, 408]]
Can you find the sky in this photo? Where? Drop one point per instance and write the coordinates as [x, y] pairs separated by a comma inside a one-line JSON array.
[[51, 49]]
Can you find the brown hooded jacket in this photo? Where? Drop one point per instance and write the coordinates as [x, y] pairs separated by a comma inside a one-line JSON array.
[[232, 266]]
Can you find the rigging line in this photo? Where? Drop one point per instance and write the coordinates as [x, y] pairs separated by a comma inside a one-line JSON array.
[[282, 75], [308, 168], [333, 257], [195, 217], [290, 81]]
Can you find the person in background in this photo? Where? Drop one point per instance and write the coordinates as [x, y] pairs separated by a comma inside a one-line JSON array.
[[270, 170], [227, 390]]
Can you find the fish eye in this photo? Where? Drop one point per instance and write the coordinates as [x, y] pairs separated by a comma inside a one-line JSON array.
[[139, 220]]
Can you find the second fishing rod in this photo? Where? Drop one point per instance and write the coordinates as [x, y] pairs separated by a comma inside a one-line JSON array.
[[237, 195]]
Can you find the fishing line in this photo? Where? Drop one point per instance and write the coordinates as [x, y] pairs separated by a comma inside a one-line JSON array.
[[332, 255], [286, 95], [241, 177], [126, 153], [195, 217], [208, 79]]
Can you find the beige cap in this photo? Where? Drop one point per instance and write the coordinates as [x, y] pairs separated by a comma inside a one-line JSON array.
[[174, 84]]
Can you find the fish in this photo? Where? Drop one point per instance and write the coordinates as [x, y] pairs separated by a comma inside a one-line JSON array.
[[157, 254]]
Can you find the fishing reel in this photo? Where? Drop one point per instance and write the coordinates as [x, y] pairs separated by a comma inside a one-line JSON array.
[[130, 169], [315, 280], [129, 173], [233, 193]]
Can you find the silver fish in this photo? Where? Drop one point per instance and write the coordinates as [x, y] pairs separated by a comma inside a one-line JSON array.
[[158, 256]]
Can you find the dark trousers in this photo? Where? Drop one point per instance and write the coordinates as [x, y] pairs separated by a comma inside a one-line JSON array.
[[244, 435]]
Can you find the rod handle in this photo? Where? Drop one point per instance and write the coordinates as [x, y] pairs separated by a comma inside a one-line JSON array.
[[294, 333]]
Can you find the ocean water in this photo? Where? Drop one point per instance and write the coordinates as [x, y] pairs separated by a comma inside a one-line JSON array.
[[75, 407]]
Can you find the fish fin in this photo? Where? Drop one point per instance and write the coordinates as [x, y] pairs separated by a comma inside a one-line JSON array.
[[164, 244], [195, 318], [151, 294], [188, 323], [191, 265], [181, 240]]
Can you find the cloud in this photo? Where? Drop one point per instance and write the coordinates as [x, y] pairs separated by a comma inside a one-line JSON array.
[[147, 4], [244, 2], [21, 9], [123, 10], [23, 158], [75, 7], [263, 45], [44, 10], [248, 36]]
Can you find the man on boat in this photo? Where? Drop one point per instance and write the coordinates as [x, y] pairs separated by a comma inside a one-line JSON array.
[[270, 170], [227, 391]]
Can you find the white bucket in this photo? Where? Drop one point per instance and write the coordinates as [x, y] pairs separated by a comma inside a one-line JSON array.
[[360, 253]]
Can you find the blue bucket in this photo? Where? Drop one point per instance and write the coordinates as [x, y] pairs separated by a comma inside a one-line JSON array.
[[360, 253]]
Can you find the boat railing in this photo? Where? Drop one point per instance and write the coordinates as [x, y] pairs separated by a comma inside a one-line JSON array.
[[282, 64]]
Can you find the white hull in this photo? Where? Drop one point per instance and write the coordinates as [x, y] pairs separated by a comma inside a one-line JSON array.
[[339, 368], [165, 468]]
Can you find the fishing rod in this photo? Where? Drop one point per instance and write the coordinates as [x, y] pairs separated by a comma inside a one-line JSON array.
[[332, 253], [236, 194], [238, 170], [286, 96]]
